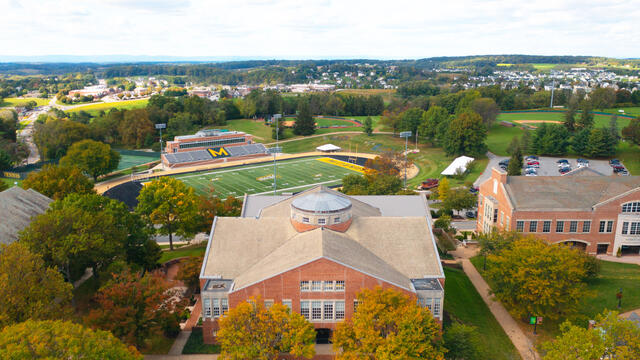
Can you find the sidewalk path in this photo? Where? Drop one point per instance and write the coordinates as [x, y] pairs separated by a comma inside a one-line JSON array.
[[518, 338], [627, 259]]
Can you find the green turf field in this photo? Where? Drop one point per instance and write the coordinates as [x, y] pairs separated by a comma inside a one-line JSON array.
[[599, 120], [129, 161], [293, 176]]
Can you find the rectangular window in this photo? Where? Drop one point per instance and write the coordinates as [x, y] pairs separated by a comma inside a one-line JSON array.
[[340, 285], [304, 286], [602, 226], [339, 310], [336, 220], [573, 226], [508, 223], [322, 221], [586, 226], [436, 307], [316, 285], [268, 304], [304, 309], [305, 220], [224, 304], [533, 226], [631, 207], [520, 225], [316, 310], [427, 303], [287, 303], [609, 226], [495, 215], [216, 308], [546, 226], [328, 286], [355, 305], [635, 228], [501, 218], [328, 310], [207, 307], [559, 226], [625, 228]]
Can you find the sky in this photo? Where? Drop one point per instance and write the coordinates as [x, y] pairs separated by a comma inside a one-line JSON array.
[[319, 29]]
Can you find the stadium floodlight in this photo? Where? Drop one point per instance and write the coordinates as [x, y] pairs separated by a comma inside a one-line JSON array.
[[275, 150], [406, 135], [160, 127]]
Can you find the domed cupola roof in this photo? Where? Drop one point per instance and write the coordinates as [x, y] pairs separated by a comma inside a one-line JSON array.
[[321, 202]]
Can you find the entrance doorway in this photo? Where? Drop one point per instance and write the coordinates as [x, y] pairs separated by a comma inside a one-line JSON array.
[[323, 336], [630, 250], [602, 248]]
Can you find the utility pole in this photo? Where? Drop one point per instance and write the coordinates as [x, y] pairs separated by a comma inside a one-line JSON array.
[[274, 151], [405, 135], [160, 127]]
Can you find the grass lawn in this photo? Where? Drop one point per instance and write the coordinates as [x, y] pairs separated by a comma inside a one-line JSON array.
[[195, 344], [634, 111], [192, 250], [499, 137], [612, 277], [375, 120], [94, 109], [6, 102], [158, 344], [599, 119], [293, 176], [463, 303], [78, 102], [320, 121], [10, 182], [387, 94]]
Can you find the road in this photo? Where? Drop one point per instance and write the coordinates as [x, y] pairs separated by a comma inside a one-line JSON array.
[[26, 134]]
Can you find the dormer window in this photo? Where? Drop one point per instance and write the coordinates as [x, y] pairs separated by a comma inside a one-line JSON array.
[[322, 221]]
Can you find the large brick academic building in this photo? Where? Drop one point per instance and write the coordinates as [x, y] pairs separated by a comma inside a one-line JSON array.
[[600, 214], [315, 250]]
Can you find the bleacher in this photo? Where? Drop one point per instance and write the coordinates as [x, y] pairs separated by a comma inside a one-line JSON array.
[[203, 155]]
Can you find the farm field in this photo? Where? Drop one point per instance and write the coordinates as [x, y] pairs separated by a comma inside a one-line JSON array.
[[12, 102], [386, 94], [293, 176], [94, 109]]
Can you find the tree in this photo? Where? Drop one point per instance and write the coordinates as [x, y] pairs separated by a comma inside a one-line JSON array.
[[611, 338], [487, 108], [388, 325], [390, 119], [189, 272], [586, 117], [434, 124], [525, 142], [514, 145], [580, 141], [54, 137], [3, 186], [133, 308], [570, 118], [603, 98], [277, 129], [57, 182], [631, 132], [251, 331], [29, 289], [169, 204], [532, 277], [210, 206], [61, 340], [443, 189], [93, 157], [515, 163], [550, 139], [601, 143], [459, 199], [463, 343], [135, 128], [5, 160], [613, 127], [410, 119], [304, 125], [466, 135], [368, 126]]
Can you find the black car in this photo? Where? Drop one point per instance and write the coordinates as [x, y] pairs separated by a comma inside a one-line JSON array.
[[473, 190], [504, 162], [562, 161], [619, 169], [614, 162]]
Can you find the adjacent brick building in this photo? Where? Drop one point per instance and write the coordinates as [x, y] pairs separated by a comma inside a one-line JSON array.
[[314, 251], [598, 213]]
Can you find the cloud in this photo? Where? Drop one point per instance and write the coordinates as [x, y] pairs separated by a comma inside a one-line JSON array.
[[321, 28]]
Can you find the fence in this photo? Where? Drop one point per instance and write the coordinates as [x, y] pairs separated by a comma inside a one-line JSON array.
[[21, 172]]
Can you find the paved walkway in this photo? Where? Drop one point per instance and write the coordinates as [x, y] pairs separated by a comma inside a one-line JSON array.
[[627, 259], [518, 338]]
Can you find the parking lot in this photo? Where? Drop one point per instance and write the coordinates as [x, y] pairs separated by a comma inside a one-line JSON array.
[[549, 165]]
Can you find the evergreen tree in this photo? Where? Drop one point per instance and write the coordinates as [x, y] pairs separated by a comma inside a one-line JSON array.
[[368, 126], [525, 142], [550, 139], [580, 141], [601, 143], [304, 124], [586, 118], [613, 127], [515, 163], [570, 118], [514, 145]]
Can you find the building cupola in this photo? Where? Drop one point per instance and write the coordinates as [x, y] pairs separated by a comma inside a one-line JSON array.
[[321, 209]]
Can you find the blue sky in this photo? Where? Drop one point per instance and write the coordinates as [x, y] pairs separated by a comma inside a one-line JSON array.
[[300, 29]]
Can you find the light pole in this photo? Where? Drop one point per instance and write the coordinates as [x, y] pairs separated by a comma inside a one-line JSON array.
[[160, 127], [405, 135]]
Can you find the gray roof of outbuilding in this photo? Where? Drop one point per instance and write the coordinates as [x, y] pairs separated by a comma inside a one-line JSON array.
[[556, 193], [321, 201], [17, 208]]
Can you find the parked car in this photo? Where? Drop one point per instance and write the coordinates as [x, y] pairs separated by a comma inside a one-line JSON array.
[[531, 174], [614, 162], [583, 162], [530, 171], [623, 172], [617, 167], [473, 189], [533, 165], [531, 157], [429, 184], [471, 214], [504, 162], [564, 170], [562, 162]]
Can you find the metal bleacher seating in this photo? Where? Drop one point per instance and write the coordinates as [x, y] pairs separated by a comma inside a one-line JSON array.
[[200, 155]]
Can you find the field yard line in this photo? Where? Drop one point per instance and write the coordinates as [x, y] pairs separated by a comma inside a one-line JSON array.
[[297, 187], [239, 169]]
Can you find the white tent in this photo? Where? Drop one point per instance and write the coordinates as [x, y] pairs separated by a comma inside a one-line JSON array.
[[459, 163], [328, 148]]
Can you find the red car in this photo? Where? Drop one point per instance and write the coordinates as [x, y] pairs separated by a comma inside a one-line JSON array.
[[429, 184], [533, 163]]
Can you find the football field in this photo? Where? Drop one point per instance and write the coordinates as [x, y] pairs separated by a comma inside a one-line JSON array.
[[292, 176]]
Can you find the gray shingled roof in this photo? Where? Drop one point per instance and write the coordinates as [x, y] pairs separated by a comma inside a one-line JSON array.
[[17, 208], [566, 192]]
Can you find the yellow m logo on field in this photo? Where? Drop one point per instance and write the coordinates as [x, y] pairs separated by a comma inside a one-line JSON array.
[[218, 152]]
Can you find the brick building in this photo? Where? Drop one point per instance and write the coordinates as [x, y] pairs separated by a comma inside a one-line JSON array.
[[314, 251], [597, 213]]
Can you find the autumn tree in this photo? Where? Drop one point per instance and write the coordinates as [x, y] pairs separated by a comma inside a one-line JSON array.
[[611, 338], [133, 308], [631, 132], [189, 272], [443, 189], [210, 206], [532, 277], [466, 135], [304, 125], [368, 126], [603, 97], [57, 182], [170, 205], [388, 325], [251, 331], [93, 157], [459, 199], [61, 340], [487, 108], [30, 290], [390, 119], [136, 129], [54, 137]]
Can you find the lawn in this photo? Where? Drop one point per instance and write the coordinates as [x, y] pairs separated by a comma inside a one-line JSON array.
[[612, 277], [375, 120], [599, 119], [191, 250], [293, 176], [499, 137], [11, 182], [463, 303], [195, 344], [322, 121], [634, 111], [6, 102], [387, 94], [94, 109], [129, 159]]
